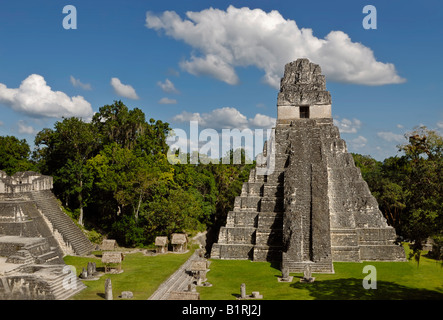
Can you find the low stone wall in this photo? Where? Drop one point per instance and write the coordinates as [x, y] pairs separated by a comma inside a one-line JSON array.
[[24, 182], [382, 253]]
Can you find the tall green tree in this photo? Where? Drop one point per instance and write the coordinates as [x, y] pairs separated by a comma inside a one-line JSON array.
[[153, 139], [15, 155], [409, 188], [425, 154], [386, 186], [128, 178], [63, 153], [117, 124]]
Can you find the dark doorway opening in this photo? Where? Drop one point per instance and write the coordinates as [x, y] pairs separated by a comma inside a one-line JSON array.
[[304, 112]]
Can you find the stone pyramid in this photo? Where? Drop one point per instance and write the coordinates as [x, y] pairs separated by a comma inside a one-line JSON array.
[[306, 202], [35, 235]]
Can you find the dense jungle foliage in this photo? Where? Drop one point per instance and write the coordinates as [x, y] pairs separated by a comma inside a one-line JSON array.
[[113, 175]]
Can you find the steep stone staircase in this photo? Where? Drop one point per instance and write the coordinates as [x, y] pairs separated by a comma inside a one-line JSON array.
[[254, 228], [72, 235]]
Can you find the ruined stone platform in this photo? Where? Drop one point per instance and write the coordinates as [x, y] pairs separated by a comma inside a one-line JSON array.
[[35, 235]]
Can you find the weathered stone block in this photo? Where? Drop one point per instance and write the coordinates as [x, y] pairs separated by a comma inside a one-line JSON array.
[[271, 220], [242, 219], [382, 253], [272, 190], [236, 235], [344, 237], [249, 202], [267, 253], [236, 251], [252, 189], [268, 237], [274, 204]]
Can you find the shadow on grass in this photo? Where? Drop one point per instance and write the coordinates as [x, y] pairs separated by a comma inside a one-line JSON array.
[[352, 289], [276, 265], [101, 295]]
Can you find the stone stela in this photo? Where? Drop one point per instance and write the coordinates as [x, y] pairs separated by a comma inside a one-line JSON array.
[[307, 275], [315, 208], [243, 295]]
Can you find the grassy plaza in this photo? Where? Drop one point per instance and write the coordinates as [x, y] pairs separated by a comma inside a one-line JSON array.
[[395, 280], [143, 274]]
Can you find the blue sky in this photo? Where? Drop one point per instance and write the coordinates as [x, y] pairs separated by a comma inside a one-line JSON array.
[[181, 61]]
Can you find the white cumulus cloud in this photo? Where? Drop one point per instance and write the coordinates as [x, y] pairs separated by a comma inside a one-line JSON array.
[[35, 98], [188, 116], [240, 37], [24, 128], [359, 142], [391, 137], [226, 118], [77, 83], [167, 86], [347, 126], [124, 90], [262, 121], [167, 101]]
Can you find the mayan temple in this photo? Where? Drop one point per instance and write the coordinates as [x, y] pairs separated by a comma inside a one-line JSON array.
[[313, 207], [35, 235]]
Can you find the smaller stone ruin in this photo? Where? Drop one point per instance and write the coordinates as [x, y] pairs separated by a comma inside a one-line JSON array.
[[112, 260], [35, 235], [179, 242], [199, 268], [108, 245], [161, 244]]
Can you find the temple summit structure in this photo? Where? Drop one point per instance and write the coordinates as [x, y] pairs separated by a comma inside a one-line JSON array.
[[313, 207]]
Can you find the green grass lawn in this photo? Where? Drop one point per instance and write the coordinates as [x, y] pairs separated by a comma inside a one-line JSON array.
[[395, 280], [141, 274]]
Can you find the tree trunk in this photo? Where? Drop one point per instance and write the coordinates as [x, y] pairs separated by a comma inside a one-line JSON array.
[[138, 207], [80, 218], [80, 200]]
